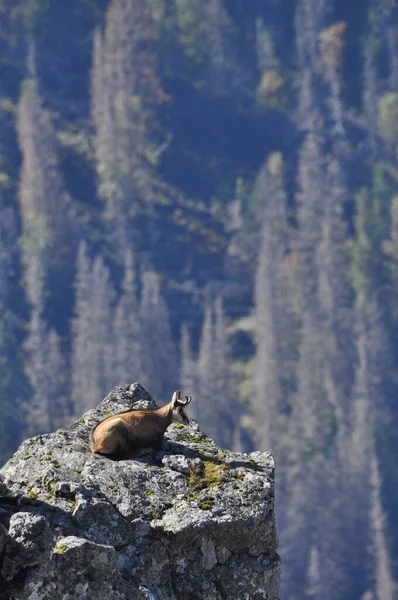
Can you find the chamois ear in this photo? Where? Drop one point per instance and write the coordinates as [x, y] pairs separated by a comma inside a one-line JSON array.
[[175, 397]]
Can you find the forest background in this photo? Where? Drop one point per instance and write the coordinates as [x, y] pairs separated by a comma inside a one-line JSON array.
[[204, 193]]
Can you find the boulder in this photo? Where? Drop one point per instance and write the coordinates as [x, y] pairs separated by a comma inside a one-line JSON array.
[[189, 522]]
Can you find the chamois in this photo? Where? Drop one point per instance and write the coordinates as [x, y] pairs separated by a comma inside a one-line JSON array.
[[122, 434]]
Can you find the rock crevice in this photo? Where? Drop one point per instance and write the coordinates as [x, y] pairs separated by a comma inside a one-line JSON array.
[[189, 522]]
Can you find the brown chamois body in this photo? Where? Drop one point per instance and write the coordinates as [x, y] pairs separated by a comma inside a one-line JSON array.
[[122, 434]]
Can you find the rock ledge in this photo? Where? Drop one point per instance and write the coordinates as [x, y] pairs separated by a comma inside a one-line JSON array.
[[190, 522]]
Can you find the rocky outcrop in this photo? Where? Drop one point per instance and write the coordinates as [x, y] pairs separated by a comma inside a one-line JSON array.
[[189, 522]]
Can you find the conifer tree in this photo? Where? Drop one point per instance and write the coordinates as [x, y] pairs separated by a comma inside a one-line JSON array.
[[44, 214], [8, 249], [159, 356], [331, 47], [101, 304], [44, 203], [370, 414], [209, 38], [384, 583], [47, 244], [60, 409], [358, 446], [205, 371], [310, 20], [14, 386], [218, 411], [127, 328], [382, 33], [125, 95], [307, 415], [310, 213], [224, 75], [274, 322], [265, 53], [295, 524], [324, 368], [93, 344], [336, 294], [83, 344], [393, 56], [225, 405], [46, 369], [188, 374], [316, 583], [370, 99]]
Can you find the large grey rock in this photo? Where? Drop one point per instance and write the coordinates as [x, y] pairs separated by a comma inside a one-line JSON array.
[[79, 569], [30, 543], [189, 522]]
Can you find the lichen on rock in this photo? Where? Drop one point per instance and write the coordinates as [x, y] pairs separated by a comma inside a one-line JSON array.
[[189, 522]]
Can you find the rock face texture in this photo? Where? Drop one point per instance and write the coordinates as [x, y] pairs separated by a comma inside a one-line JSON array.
[[189, 522]]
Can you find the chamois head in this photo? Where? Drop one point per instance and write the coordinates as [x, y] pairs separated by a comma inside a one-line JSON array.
[[178, 408]]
